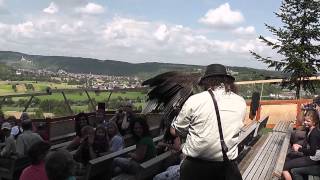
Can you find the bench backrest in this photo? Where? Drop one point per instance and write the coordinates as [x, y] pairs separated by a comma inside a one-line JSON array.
[[262, 124], [103, 164]]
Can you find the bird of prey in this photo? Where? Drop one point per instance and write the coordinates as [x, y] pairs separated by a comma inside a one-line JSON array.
[[168, 93], [170, 90]]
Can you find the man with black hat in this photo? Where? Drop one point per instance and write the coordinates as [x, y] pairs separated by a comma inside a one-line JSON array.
[[198, 120]]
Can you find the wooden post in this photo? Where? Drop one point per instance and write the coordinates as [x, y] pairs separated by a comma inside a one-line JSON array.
[[2, 102], [90, 100], [28, 104], [67, 103]]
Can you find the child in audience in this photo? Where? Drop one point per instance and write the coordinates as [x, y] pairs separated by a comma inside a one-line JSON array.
[[116, 140], [60, 165], [85, 151], [37, 154], [101, 141], [308, 150]]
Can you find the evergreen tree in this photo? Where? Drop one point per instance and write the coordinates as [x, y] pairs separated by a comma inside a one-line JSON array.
[[298, 42]]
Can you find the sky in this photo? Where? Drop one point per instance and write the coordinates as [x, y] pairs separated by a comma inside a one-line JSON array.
[[198, 32]]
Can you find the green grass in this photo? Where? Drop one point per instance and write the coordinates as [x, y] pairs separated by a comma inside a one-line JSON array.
[[266, 130], [6, 86]]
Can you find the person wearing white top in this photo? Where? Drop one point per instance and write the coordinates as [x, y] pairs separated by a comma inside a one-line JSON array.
[[197, 121]]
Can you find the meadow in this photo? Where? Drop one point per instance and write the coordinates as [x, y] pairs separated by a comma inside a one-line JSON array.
[[79, 100]]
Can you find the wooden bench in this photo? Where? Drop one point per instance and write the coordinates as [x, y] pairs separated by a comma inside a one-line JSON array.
[[148, 169], [101, 166], [11, 167], [249, 135], [269, 160]]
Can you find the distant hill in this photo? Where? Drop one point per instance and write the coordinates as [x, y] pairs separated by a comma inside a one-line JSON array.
[[111, 67]]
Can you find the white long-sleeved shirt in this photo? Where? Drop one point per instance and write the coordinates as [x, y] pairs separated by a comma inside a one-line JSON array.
[[197, 119]]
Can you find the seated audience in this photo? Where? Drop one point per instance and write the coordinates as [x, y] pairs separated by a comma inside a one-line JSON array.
[[145, 148], [59, 165], [116, 140], [100, 118], [10, 144], [43, 132], [85, 151], [81, 120], [37, 154], [101, 141], [27, 138], [16, 129], [124, 118], [308, 151]]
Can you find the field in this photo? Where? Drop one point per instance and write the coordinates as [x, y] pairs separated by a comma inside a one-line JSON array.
[[79, 99]]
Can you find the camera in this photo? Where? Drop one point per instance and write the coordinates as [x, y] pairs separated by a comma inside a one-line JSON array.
[[311, 106]]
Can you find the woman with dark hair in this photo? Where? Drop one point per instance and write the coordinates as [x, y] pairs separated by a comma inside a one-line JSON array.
[[60, 165], [310, 154], [101, 141], [85, 151], [116, 140], [80, 120], [145, 149], [37, 154]]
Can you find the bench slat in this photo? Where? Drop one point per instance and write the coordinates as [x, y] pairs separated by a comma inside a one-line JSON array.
[[252, 164], [283, 152], [272, 158]]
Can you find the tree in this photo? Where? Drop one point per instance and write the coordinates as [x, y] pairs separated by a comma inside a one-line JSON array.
[[297, 42]]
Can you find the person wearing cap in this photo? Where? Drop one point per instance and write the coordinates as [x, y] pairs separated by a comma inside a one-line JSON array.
[[10, 145], [197, 121]]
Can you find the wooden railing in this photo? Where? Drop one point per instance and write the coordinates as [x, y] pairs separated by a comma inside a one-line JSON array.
[[285, 110]]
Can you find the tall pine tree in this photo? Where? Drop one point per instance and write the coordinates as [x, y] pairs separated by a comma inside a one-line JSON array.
[[298, 42]]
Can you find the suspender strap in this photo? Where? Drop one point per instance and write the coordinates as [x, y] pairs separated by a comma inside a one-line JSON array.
[[223, 144]]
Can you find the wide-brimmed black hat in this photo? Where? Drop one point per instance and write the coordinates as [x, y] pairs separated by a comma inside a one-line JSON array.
[[216, 70]]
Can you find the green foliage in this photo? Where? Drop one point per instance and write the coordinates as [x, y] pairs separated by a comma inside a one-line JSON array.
[[297, 43]]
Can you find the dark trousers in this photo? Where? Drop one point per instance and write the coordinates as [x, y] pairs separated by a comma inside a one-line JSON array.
[[298, 162], [194, 168]]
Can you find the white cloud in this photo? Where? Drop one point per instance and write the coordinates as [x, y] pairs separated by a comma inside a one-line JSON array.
[[245, 31], [161, 33], [1, 3], [124, 39], [91, 8], [52, 9], [222, 17]]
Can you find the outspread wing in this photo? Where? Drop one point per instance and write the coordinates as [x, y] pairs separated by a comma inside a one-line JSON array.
[[168, 93]]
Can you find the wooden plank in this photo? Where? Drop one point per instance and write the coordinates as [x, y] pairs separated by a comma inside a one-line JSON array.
[[266, 173], [253, 162], [60, 146], [270, 153], [258, 160], [101, 164], [283, 153], [247, 132]]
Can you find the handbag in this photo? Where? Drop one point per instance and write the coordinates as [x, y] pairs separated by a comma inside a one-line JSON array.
[[231, 168]]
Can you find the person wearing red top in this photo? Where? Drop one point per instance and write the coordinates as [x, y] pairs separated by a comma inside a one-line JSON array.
[[37, 154]]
